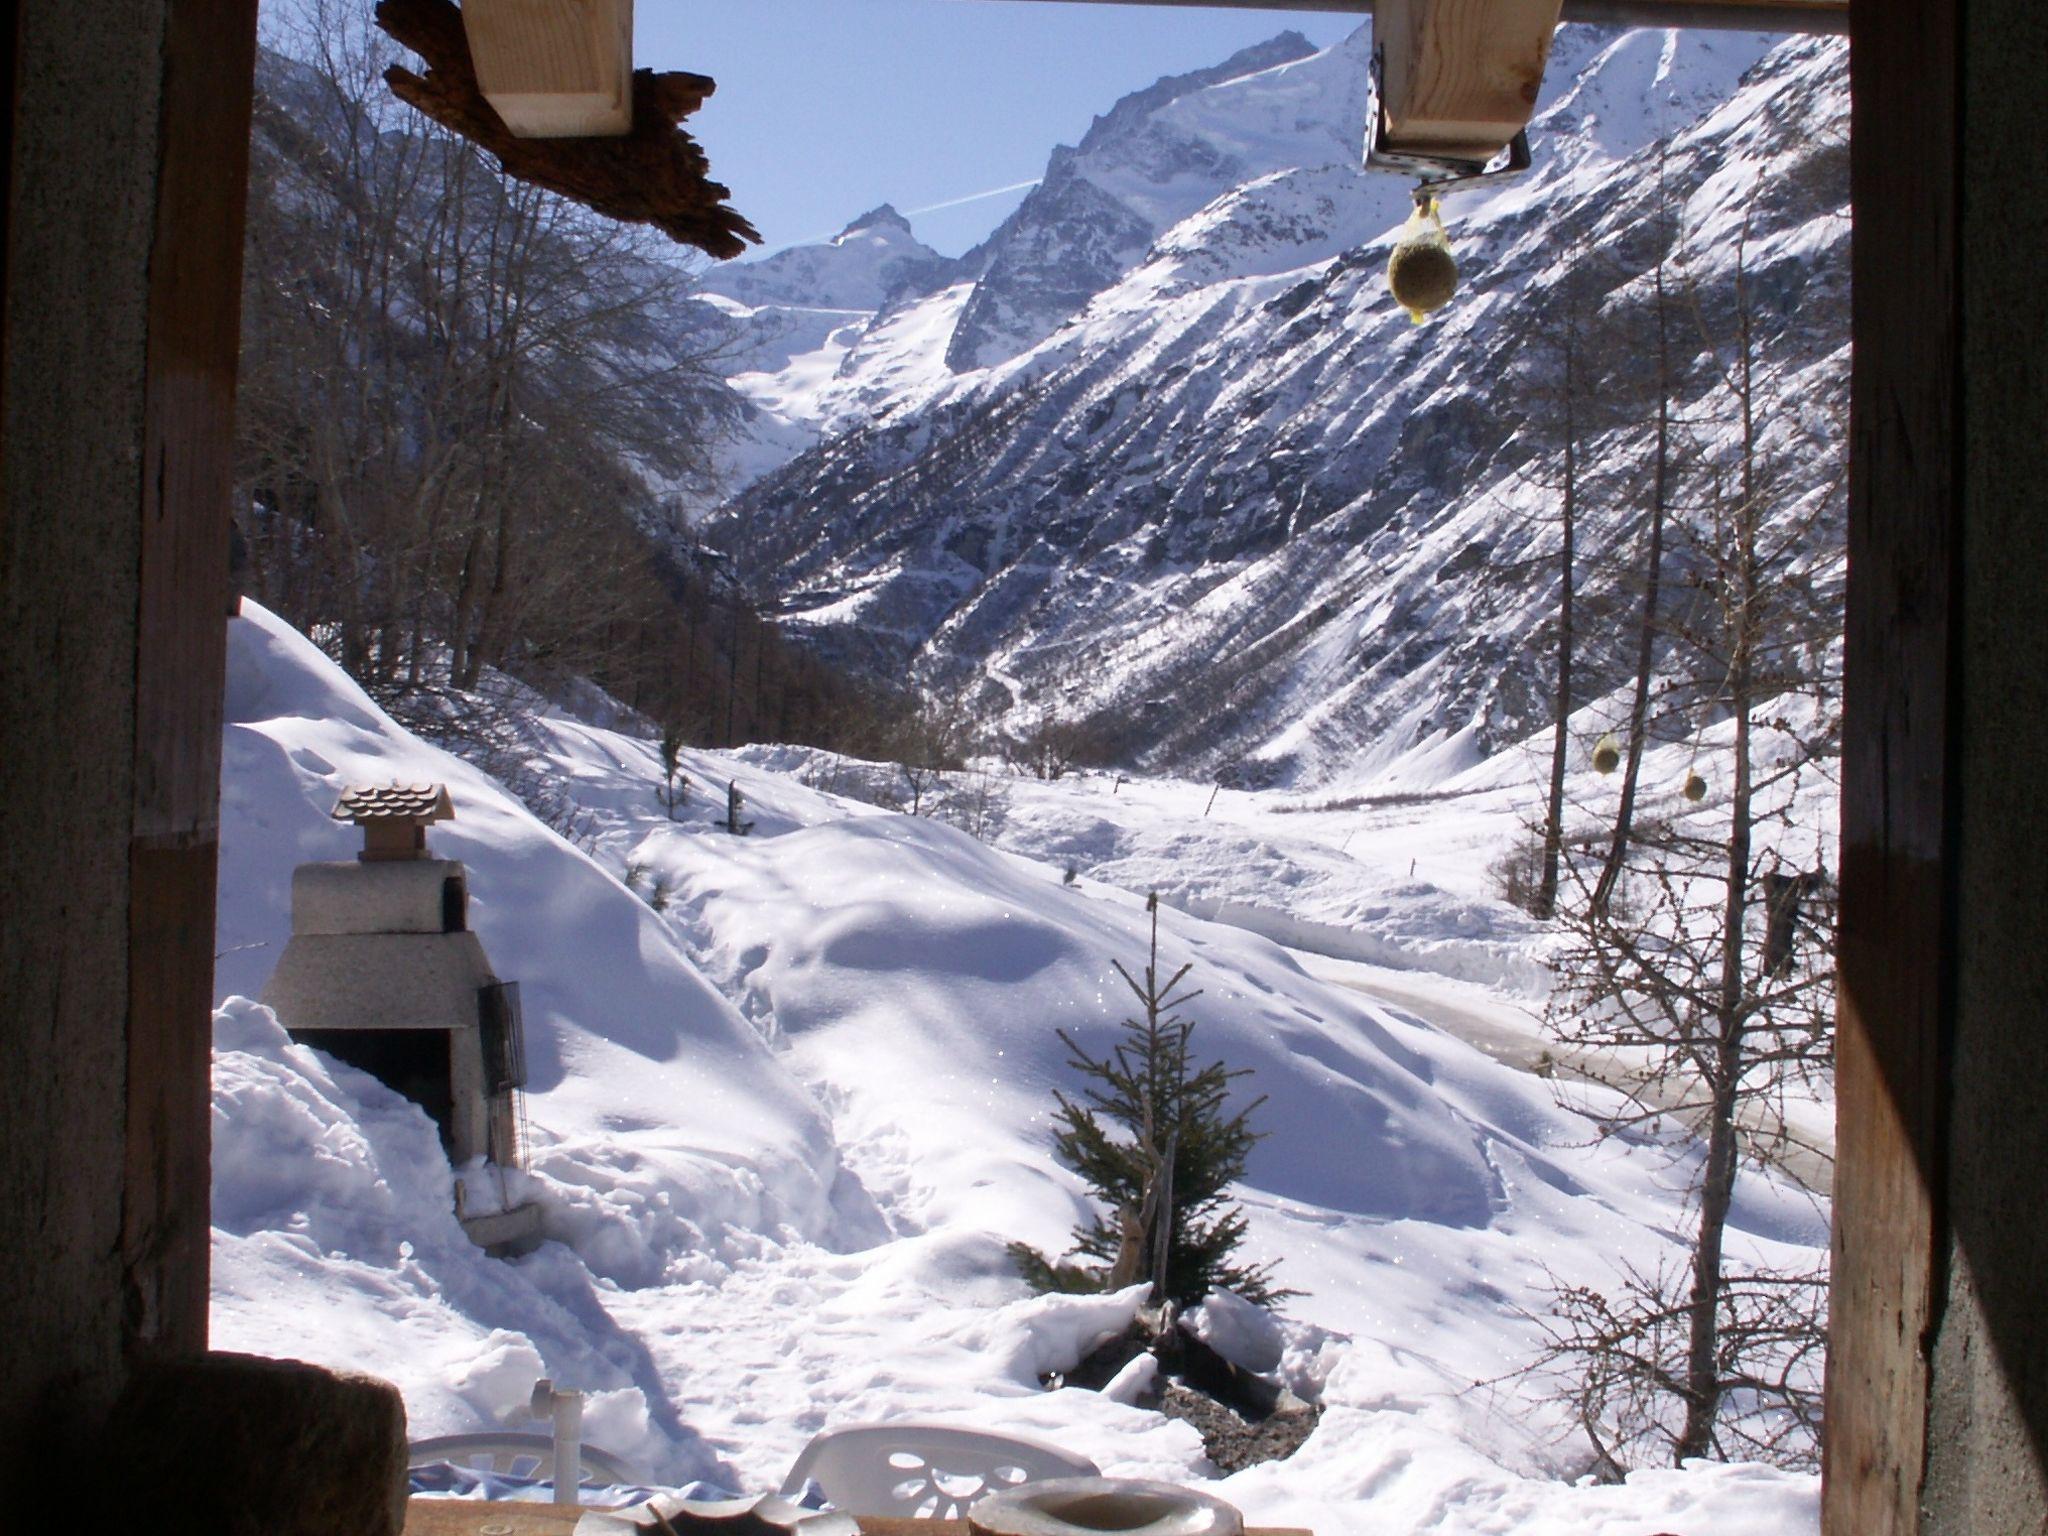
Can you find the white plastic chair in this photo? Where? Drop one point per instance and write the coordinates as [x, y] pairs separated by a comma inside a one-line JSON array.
[[929, 1471], [517, 1453]]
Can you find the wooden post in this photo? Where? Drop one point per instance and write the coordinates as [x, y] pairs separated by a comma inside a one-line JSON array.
[[1162, 1216], [1937, 1400], [1895, 989], [554, 69], [195, 283], [126, 172], [1460, 77]]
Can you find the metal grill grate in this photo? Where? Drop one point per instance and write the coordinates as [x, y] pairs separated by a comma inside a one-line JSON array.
[[504, 1036]]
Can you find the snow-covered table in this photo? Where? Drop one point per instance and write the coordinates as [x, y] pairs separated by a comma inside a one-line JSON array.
[[479, 1517]]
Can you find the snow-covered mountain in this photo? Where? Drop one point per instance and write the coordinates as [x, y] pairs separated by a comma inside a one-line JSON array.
[[796, 315], [788, 1092], [861, 268], [1164, 453], [1158, 156]]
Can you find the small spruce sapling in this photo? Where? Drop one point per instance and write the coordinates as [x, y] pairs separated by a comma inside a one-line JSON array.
[[1152, 1137]]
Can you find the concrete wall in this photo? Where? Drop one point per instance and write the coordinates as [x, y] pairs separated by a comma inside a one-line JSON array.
[[83, 187], [1988, 1420]]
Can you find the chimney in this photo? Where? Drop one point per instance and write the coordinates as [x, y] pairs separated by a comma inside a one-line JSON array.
[[394, 818]]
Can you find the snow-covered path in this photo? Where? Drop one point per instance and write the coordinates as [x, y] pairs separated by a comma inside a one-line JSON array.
[[765, 1356]]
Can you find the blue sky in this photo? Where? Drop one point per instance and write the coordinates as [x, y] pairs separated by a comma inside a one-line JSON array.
[[827, 107]]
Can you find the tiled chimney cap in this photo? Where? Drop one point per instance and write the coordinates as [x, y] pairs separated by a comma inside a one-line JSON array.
[[422, 803]]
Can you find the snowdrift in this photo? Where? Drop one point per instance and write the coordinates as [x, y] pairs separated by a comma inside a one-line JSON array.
[[641, 1066]]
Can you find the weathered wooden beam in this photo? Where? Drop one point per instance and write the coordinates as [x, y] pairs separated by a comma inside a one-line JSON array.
[[1824, 16], [125, 173], [554, 69], [187, 486], [1896, 996], [655, 173], [1461, 77]]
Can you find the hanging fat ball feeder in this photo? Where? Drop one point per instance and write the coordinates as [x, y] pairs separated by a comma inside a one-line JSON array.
[[1695, 788], [1422, 272], [1422, 121], [1607, 753]]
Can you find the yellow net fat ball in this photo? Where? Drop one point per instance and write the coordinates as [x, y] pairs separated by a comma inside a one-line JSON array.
[[1422, 272], [1606, 754], [1695, 788]]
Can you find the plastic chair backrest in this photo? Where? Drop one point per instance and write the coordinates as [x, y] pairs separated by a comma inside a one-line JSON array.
[[516, 1453], [929, 1471]]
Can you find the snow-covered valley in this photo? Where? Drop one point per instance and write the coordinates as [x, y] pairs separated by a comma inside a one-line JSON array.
[[784, 1126], [1163, 458], [1160, 469]]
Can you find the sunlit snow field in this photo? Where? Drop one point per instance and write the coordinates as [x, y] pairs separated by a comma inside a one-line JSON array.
[[784, 1127]]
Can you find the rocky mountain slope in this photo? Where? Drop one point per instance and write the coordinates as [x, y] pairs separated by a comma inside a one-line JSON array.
[[1163, 456]]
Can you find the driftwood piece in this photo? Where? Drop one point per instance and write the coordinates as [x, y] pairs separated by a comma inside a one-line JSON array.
[[654, 174]]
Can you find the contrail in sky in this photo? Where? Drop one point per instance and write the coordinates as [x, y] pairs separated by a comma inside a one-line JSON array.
[[951, 202], [972, 197]]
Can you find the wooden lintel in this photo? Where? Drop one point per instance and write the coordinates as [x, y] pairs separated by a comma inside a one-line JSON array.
[[1461, 77], [555, 69]]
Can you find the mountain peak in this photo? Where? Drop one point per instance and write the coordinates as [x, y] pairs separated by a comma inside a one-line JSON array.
[[883, 217], [1289, 47], [1282, 48], [1157, 156], [873, 260]]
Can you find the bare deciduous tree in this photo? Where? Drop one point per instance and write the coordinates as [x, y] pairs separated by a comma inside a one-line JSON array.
[[1652, 586], [458, 393], [1704, 962]]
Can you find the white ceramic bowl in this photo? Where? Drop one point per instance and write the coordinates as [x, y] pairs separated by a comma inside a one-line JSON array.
[[1102, 1506]]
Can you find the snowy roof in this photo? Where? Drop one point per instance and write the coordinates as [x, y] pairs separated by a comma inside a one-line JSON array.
[[394, 802]]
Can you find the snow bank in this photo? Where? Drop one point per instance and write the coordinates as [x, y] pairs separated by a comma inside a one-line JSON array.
[[926, 977], [1245, 1335], [1255, 863], [649, 1095], [335, 1240]]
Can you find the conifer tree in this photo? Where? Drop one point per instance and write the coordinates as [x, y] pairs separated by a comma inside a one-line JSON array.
[[675, 784], [1151, 1135]]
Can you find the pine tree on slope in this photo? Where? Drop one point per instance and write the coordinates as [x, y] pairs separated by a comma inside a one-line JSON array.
[[1151, 1135]]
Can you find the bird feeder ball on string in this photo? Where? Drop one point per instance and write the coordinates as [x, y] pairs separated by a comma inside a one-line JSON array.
[[1606, 753], [1422, 272], [1695, 788]]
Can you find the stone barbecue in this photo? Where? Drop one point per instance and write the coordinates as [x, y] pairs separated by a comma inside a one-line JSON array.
[[383, 973]]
